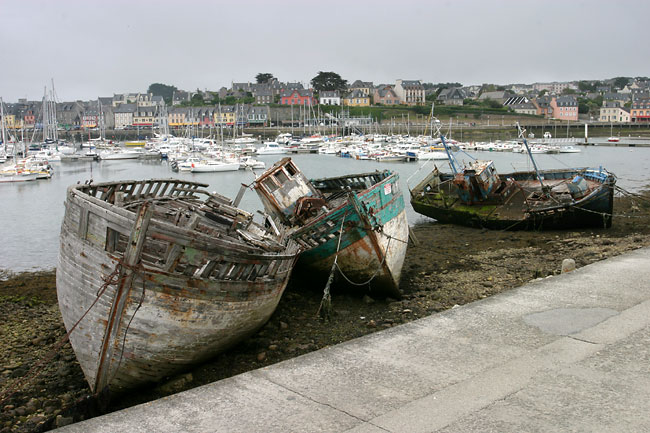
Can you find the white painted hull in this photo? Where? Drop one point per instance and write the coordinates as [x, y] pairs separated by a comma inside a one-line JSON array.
[[5, 178], [427, 156], [272, 151], [121, 155], [212, 168]]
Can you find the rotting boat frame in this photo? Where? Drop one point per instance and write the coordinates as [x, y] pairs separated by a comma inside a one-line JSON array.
[[359, 219], [477, 196], [156, 275]]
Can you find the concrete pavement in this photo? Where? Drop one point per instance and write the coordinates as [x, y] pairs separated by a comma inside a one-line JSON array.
[[566, 353]]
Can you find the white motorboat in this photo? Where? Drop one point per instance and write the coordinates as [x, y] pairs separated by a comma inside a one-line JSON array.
[[428, 155], [569, 149], [213, 165], [283, 138], [119, 153], [248, 162], [271, 149], [187, 164], [7, 177]]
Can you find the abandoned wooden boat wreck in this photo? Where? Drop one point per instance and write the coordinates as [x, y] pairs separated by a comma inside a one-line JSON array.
[[156, 275], [359, 219], [477, 196]]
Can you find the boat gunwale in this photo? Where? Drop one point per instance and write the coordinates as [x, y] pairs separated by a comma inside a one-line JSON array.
[[309, 224], [163, 230]]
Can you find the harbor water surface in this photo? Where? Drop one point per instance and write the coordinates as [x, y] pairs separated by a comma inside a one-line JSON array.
[[31, 212]]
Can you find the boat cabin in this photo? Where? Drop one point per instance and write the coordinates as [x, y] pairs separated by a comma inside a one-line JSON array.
[[477, 182], [286, 193]]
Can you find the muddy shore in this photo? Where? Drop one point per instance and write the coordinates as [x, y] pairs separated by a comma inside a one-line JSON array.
[[448, 266]]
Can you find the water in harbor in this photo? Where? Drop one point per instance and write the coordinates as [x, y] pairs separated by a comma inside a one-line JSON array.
[[31, 212]]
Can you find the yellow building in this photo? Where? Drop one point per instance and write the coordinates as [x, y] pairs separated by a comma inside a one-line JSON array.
[[10, 121], [356, 99], [226, 115], [177, 117]]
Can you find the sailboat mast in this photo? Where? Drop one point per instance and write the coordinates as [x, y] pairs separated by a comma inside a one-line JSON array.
[[452, 162], [55, 124], [530, 155], [4, 130]]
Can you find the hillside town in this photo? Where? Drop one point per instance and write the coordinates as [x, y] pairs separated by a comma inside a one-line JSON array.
[[264, 103]]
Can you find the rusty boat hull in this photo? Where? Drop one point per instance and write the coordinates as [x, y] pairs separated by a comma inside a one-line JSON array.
[[373, 242], [359, 219], [152, 279], [518, 201]]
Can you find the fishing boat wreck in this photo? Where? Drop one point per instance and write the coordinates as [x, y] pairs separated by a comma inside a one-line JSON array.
[[357, 219], [156, 275], [477, 196]]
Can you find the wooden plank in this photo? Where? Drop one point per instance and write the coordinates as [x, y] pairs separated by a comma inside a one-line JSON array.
[[171, 261], [83, 223], [130, 259]]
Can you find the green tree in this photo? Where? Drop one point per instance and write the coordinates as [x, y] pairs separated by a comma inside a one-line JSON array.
[[493, 104], [328, 81], [197, 99], [586, 86], [488, 88], [620, 82], [263, 77], [568, 91], [230, 100], [164, 90]]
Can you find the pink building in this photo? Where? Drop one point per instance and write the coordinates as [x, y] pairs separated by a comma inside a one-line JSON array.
[[385, 96], [565, 108], [297, 97]]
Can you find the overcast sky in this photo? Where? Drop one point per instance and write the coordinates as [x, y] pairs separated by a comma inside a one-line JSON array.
[[96, 48]]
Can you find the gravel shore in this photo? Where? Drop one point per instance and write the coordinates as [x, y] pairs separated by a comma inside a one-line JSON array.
[[448, 266]]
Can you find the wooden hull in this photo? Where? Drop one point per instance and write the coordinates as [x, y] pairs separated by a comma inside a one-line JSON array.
[[358, 219], [162, 313], [514, 213], [373, 243]]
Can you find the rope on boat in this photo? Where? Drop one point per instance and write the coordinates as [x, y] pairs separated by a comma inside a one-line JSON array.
[[325, 307], [625, 192], [383, 259], [416, 171], [126, 330], [605, 215], [47, 358]]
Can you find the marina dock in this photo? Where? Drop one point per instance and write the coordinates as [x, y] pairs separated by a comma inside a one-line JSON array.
[[564, 353]]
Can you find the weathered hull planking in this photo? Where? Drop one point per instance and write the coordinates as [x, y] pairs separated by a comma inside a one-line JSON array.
[[188, 278], [359, 219], [523, 207], [374, 240]]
